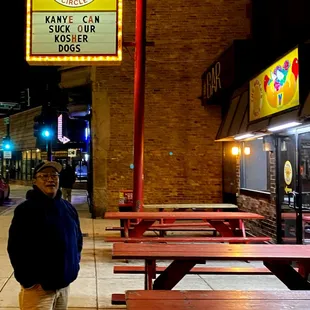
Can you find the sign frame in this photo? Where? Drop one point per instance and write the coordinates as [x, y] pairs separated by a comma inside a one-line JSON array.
[[73, 59], [7, 154]]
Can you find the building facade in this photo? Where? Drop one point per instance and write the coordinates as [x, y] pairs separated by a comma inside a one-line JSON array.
[[266, 136], [182, 163]]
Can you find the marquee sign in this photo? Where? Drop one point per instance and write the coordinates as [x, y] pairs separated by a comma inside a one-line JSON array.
[[70, 32]]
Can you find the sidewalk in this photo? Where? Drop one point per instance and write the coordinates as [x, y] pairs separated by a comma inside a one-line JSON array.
[[96, 281]]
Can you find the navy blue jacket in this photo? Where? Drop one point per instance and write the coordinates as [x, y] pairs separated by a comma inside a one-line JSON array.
[[45, 241]]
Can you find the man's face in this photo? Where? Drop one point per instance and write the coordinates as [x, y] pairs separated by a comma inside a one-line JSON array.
[[47, 180]]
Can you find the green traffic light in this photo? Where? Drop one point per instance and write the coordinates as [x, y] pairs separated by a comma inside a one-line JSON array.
[[46, 133]]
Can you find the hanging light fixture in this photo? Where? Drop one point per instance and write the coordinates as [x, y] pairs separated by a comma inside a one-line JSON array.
[[247, 150], [235, 150]]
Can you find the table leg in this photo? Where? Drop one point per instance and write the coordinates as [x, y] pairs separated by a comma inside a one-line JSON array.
[[141, 228], [288, 275], [304, 269], [149, 274], [237, 227], [126, 224], [174, 273], [222, 228]]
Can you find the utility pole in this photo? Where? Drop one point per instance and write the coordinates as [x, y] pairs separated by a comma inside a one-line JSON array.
[[48, 141], [49, 150], [139, 93]]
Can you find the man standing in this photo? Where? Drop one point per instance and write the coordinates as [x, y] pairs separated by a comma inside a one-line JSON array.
[[67, 179], [45, 243]]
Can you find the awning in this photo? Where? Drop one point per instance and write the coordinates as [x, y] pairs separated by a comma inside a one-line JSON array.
[[236, 119], [237, 122]]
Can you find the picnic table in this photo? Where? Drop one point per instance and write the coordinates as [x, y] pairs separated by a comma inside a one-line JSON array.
[[277, 258], [205, 300], [226, 223]]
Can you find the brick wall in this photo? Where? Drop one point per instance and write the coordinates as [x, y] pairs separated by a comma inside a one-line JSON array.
[[261, 204], [188, 36], [21, 129]]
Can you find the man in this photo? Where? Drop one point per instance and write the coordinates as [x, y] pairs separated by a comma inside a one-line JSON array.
[[45, 243], [67, 179]]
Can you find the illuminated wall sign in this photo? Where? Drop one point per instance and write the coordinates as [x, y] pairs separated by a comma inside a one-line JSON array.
[[276, 89], [67, 32], [60, 135]]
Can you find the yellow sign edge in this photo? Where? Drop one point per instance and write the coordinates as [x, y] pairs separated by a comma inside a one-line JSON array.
[[70, 60]]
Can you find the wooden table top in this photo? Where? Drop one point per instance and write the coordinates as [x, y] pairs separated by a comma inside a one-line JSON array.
[[222, 295], [217, 304], [184, 215], [212, 251], [192, 206], [217, 300]]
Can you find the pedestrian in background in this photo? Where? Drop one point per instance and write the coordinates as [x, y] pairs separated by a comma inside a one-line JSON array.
[[45, 243], [67, 180]]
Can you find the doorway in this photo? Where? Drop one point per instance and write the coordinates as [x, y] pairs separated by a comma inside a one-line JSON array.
[[294, 188]]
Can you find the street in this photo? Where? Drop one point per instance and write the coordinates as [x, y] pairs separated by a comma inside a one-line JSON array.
[[18, 194]]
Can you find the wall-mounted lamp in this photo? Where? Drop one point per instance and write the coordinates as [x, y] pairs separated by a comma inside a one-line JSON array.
[[235, 150], [247, 150]]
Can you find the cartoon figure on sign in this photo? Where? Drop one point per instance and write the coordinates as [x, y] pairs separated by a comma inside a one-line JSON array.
[[281, 85]]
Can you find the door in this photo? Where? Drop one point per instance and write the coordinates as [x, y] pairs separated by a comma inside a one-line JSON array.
[[294, 188], [287, 189], [229, 174], [303, 198]]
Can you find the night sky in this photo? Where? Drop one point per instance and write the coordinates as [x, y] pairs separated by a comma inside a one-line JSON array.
[[16, 74]]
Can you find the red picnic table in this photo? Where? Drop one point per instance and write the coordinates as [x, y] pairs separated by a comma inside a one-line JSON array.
[[226, 223], [216, 300], [277, 258]]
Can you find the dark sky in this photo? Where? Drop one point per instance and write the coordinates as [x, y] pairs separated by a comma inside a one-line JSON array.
[[16, 74], [12, 53]]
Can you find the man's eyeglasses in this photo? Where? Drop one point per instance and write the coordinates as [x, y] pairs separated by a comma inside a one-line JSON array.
[[46, 176]]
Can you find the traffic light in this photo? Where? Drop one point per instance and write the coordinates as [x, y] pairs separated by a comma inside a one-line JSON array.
[[38, 125], [24, 98], [7, 144], [47, 133], [42, 127]]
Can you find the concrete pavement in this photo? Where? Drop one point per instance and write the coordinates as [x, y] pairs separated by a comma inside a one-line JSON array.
[[96, 281]]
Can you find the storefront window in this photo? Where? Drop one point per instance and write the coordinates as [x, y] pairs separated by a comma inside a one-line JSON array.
[[254, 168]]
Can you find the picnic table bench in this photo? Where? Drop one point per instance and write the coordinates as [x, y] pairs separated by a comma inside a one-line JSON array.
[[226, 223], [292, 216], [193, 206], [205, 300], [189, 239]]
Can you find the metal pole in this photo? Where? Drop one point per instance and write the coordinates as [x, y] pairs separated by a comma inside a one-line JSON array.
[[139, 90], [49, 150]]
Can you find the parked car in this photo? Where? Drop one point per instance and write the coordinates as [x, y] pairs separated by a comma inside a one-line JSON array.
[[4, 190]]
